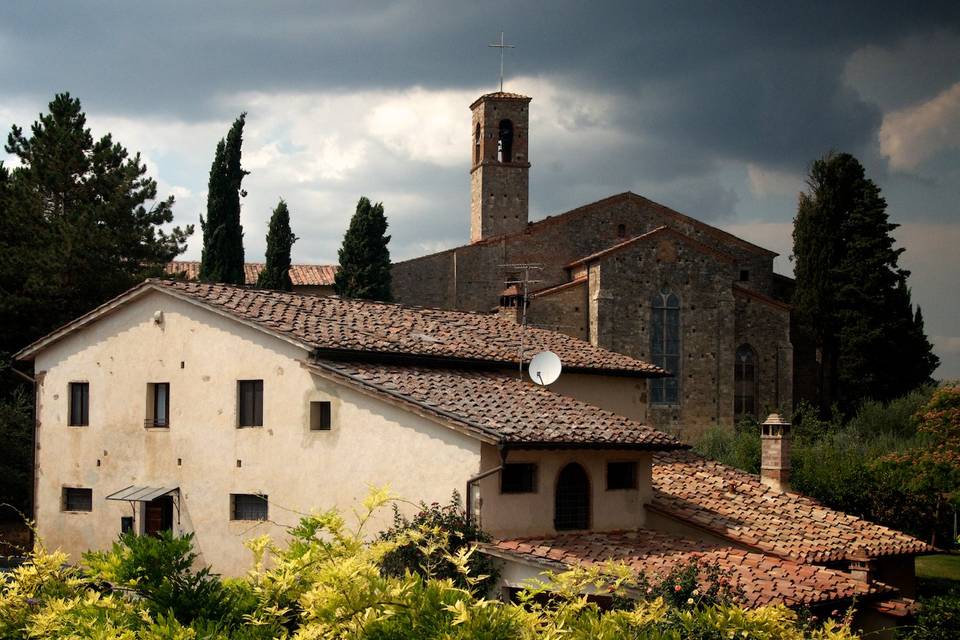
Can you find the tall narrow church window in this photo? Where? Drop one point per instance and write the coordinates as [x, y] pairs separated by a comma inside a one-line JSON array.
[[572, 500], [505, 147], [665, 346], [476, 145], [745, 383]]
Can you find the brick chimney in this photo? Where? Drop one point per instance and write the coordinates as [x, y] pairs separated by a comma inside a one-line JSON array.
[[511, 304], [862, 567], [775, 453]]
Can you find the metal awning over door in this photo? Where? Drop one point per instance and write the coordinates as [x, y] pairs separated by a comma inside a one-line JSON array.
[[136, 493]]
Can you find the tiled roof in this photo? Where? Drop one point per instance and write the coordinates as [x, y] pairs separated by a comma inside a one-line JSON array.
[[764, 579], [511, 410], [331, 323], [312, 275], [500, 95], [738, 507]]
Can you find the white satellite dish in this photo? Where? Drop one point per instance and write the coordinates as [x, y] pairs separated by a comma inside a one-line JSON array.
[[545, 368]]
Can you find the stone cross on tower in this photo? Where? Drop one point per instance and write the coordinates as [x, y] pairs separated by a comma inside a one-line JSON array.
[[500, 45]]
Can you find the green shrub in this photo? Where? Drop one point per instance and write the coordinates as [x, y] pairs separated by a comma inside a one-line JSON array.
[[425, 542], [740, 449], [160, 570], [938, 619], [327, 582]]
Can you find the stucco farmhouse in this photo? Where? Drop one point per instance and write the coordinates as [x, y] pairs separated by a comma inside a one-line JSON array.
[[226, 411]]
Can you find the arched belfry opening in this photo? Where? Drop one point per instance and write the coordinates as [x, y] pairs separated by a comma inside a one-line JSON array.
[[505, 144], [572, 499], [500, 167]]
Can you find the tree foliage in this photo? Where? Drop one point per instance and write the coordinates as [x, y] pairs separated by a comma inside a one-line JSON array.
[[364, 258], [222, 256], [280, 239], [851, 296], [81, 223], [894, 463], [16, 455], [327, 582]]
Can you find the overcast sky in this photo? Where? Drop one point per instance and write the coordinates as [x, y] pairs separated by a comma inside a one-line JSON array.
[[715, 109]]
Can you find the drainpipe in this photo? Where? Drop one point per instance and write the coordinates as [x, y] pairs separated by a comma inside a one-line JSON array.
[[468, 499], [472, 481]]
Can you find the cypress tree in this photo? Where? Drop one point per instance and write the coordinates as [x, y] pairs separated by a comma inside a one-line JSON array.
[[364, 258], [851, 295], [276, 272], [222, 256]]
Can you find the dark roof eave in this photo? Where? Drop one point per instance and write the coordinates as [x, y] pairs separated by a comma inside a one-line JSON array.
[[521, 445], [398, 357]]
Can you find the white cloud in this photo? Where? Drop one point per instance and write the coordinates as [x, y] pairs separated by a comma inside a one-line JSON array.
[[772, 182], [424, 125], [911, 135]]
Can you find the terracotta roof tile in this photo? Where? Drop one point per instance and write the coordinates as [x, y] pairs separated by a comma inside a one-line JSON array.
[[737, 506], [315, 275], [764, 579], [514, 411], [331, 323]]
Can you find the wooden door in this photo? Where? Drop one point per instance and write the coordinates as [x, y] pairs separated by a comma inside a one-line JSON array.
[[158, 515]]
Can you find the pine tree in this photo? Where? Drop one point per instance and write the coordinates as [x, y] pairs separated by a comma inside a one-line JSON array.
[[280, 239], [76, 226], [851, 296], [364, 258], [222, 256]]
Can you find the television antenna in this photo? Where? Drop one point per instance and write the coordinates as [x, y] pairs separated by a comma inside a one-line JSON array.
[[545, 368], [525, 281]]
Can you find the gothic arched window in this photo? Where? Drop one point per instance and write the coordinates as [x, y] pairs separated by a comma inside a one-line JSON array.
[[745, 381], [572, 500], [476, 145], [665, 346], [505, 146]]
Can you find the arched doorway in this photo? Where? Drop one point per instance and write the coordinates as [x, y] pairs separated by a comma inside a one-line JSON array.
[[572, 500]]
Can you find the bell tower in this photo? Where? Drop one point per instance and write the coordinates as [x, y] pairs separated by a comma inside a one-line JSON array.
[[500, 173]]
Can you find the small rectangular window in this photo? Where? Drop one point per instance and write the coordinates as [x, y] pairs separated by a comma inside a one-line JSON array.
[[744, 275], [621, 475], [518, 478], [248, 506], [77, 499], [158, 404], [250, 401], [79, 404], [126, 524], [320, 415]]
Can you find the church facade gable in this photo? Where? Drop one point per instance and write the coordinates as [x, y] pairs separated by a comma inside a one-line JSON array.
[[624, 273]]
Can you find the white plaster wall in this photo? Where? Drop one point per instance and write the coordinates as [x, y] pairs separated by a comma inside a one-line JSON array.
[[526, 514], [371, 442]]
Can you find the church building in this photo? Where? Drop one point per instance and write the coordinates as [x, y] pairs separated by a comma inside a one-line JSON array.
[[624, 273]]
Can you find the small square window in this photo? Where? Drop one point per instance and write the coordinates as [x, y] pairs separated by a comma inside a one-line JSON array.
[[77, 499], [744, 275], [126, 524], [320, 415], [158, 405], [79, 404], [250, 403], [518, 478], [621, 475], [248, 506]]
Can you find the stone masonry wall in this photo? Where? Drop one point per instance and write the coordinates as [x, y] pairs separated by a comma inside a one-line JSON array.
[[629, 280]]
